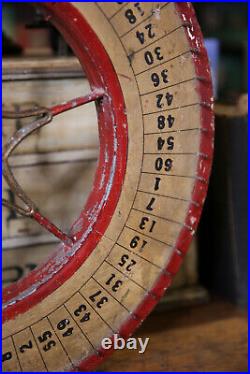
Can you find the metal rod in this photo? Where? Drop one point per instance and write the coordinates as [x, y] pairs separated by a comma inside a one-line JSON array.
[[45, 117], [79, 101]]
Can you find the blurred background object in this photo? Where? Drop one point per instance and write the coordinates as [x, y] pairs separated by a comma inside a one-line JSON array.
[[223, 232], [228, 23], [213, 49]]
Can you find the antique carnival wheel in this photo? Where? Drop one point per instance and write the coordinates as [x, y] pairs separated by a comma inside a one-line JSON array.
[[150, 78]]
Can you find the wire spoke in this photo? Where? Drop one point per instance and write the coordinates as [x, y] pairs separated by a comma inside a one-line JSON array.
[[44, 117]]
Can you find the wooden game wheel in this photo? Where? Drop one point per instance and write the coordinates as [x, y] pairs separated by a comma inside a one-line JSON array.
[[150, 79]]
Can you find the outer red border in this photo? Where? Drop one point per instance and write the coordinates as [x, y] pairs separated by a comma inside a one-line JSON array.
[[200, 189]]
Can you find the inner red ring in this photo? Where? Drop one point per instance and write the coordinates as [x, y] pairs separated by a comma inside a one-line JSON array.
[[101, 204]]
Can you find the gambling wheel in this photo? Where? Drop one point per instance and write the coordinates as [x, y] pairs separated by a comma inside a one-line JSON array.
[[150, 79]]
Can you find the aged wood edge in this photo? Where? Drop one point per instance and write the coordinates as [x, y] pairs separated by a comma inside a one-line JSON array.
[[14, 69], [50, 158]]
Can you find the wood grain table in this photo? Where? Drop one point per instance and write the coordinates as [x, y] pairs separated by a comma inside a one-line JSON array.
[[211, 337]]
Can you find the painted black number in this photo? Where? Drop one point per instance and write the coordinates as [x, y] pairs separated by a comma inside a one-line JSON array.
[[49, 345], [6, 356], [143, 223], [141, 35], [45, 336], [127, 262], [116, 285], [82, 309], [135, 241], [160, 103], [160, 164], [150, 204], [25, 347], [156, 78], [63, 324], [150, 57], [100, 301], [157, 183], [169, 142], [162, 121], [130, 16]]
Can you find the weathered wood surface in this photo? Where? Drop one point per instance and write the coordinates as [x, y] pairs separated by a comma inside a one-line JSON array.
[[14, 69], [73, 130]]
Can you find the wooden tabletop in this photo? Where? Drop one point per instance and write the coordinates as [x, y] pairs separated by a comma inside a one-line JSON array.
[[210, 337]]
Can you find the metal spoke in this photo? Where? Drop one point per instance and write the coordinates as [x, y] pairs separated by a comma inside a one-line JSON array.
[[45, 116], [79, 101]]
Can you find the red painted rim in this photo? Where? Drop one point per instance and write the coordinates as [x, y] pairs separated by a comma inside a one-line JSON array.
[[203, 171]]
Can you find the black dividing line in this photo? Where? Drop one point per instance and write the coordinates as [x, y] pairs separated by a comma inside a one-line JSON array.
[[136, 254], [172, 131], [170, 175], [167, 87], [119, 10], [167, 196], [129, 278], [85, 336], [169, 109], [95, 311], [142, 234], [157, 40], [164, 62], [60, 342], [54, 310], [153, 215], [171, 153], [145, 19], [150, 237], [38, 348], [101, 262], [18, 360]]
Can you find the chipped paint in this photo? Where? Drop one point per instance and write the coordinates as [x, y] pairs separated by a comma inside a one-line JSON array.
[[156, 12], [193, 220]]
